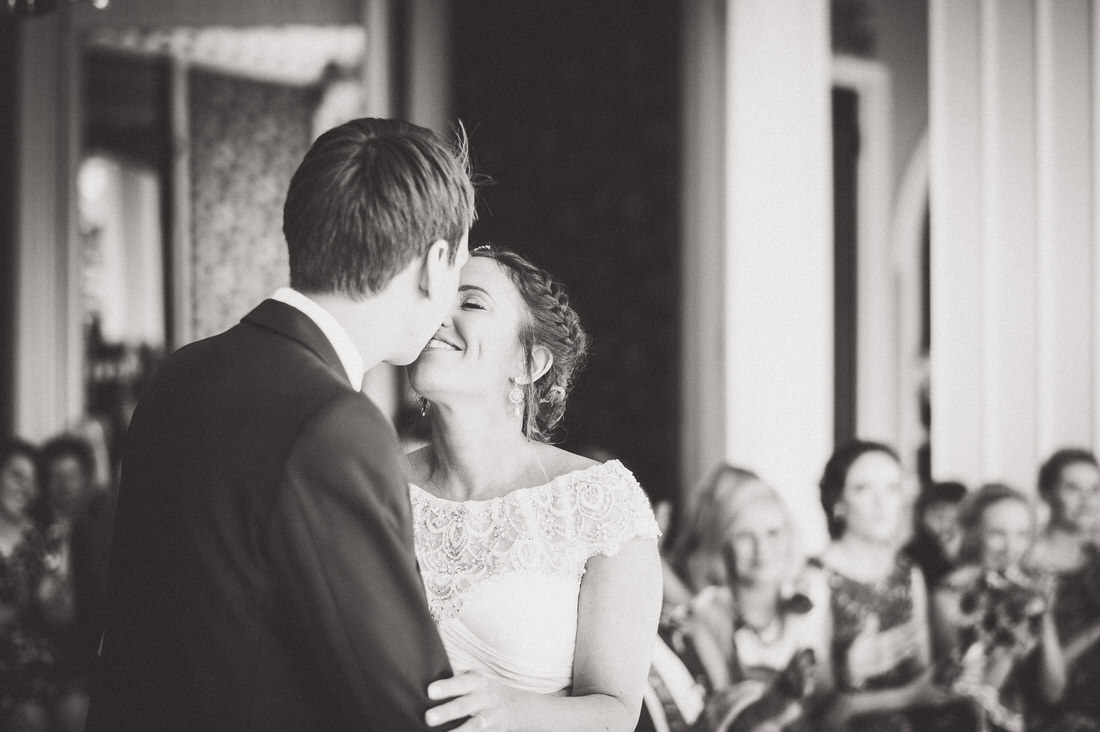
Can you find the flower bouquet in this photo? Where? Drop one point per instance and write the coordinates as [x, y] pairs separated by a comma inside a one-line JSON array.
[[1001, 616]]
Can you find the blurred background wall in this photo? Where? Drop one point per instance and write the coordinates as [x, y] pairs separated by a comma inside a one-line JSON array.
[[579, 130], [785, 222]]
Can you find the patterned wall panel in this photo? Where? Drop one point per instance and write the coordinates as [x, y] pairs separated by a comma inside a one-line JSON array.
[[247, 139]]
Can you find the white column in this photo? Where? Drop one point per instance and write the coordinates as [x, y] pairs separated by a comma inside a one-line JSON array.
[[1067, 374], [1008, 245], [956, 255], [758, 252], [48, 387], [1095, 40], [1015, 309]]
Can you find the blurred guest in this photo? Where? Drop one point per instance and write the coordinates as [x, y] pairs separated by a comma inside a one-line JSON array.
[[694, 557], [880, 640], [992, 612], [936, 533], [753, 631], [1069, 483], [30, 597], [80, 530]]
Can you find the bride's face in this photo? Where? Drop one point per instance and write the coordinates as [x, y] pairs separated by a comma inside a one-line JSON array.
[[476, 351]]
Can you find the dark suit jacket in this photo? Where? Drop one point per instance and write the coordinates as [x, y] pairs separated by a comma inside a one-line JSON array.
[[262, 572]]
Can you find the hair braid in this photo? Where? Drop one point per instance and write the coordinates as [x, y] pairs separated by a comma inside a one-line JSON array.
[[551, 324]]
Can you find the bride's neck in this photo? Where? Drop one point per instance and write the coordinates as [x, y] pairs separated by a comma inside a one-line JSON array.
[[476, 453]]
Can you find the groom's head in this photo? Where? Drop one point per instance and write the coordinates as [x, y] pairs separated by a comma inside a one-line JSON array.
[[369, 197]]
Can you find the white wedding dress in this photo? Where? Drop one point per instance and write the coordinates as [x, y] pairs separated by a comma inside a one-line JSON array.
[[503, 575]]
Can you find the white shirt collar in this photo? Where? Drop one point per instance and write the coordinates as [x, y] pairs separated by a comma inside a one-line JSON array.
[[349, 355]]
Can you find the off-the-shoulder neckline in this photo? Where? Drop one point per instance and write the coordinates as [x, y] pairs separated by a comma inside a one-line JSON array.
[[568, 475]]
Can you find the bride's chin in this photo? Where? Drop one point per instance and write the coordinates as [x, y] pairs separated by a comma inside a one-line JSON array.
[[423, 382]]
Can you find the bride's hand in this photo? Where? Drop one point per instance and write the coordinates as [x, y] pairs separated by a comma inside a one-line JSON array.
[[487, 703]]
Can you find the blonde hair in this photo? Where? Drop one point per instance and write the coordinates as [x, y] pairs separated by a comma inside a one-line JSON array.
[[973, 511], [697, 549]]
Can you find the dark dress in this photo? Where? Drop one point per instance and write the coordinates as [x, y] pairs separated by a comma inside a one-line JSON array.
[[29, 662], [852, 602], [1076, 608]]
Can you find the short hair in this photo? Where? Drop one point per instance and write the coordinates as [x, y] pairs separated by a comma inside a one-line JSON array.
[[945, 491], [68, 446], [836, 473], [1050, 474], [15, 447], [552, 324], [368, 197], [973, 510]]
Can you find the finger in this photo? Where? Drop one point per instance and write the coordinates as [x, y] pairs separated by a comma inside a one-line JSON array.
[[870, 625], [473, 724], [463, 706], [464, 683]]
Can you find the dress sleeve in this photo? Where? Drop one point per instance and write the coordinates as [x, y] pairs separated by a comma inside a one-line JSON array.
[[341, 554], [612, 509]]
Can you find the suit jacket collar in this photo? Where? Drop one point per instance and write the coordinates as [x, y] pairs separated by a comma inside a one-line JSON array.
[[292, 323]]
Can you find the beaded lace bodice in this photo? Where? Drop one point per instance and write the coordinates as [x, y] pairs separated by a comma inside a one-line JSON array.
[[503, 575]]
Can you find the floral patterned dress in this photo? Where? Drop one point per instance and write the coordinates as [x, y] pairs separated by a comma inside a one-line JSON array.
[[28, 660], [891, 600]]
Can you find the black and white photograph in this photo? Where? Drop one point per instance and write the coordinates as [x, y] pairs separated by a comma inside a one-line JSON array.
[[550, 365]]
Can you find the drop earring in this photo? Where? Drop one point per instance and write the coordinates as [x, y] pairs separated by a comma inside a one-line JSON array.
[[515, 396], [423, 404]]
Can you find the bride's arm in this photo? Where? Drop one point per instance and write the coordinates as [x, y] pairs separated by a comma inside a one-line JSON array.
[[620, 600]]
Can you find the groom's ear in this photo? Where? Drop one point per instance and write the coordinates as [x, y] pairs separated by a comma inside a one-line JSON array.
[[436, 268]]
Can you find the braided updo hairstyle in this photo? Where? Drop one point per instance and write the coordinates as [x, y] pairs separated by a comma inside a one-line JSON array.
[[552, 324]]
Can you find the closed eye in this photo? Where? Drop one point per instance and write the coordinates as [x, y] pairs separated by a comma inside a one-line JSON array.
[[472, 305]]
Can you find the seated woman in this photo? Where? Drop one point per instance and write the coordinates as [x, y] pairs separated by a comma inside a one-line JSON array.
[[540, 566], [31, 597], [1069, 483], [761, 632], [694, 558], [880, 646], [992, 612]]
